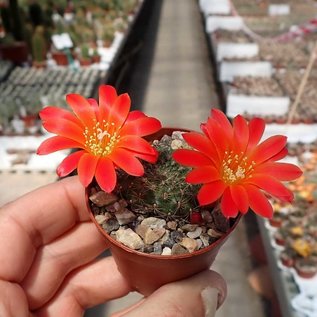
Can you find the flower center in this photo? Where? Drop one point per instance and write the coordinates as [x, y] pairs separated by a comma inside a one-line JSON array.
[[102, 138], [236, 167]]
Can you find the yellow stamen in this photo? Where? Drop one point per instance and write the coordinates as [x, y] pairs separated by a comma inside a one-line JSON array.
[[101, 139]]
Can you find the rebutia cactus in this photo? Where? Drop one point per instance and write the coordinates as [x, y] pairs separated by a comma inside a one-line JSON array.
[[162, 189]]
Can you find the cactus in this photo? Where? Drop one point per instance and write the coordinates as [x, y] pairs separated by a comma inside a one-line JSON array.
[[162, 190], [39, 45]]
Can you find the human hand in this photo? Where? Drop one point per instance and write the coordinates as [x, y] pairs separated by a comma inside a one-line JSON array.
[[48, 250]]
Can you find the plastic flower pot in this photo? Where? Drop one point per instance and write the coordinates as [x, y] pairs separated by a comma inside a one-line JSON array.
[[147, 272]]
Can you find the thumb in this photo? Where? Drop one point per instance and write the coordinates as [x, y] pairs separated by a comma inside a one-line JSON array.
[[197, 296]]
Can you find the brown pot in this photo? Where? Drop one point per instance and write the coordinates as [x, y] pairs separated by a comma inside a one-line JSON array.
[[60, 58], [147, 272], [16, 52]]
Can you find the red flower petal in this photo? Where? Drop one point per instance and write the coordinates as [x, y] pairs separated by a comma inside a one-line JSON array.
[[69, 163], [222, 119], [272, 186], [191, 158], [106, 175], [51, 113], [240, 197], [241, 134], [147, 157], [119, 111], [136, 144], [281, 171], [256, 130], [228, 207], [204, 174], [86, 168], [65, 128], [127, 161], [210, 192], [135, 114], [280, 155], [258, 202], [94, 104], [141, 127], [202, 144], [268, 148], [56, 143], [82, 109], [107, 97]]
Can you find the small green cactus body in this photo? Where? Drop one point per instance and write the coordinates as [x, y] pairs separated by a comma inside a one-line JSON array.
[[163, 189], [38, 45]]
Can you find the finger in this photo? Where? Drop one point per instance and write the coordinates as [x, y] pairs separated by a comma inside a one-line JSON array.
[[200, 291], [54, 261], [88, 286], [35, 219]]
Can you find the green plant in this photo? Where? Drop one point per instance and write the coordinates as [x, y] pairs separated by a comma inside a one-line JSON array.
[[38, 45]]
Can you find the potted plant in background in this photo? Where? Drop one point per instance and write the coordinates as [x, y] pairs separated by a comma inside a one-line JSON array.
[[160, 222]]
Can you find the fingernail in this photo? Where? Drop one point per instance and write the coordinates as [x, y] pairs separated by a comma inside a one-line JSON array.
[[209, 296]]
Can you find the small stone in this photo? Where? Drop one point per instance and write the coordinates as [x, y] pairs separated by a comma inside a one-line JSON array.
[[190, 244], [110, 225], [141, 230], [178, 249], [214, 233], [124, 216], [147, 248], [167, 251], [199, 244], [117, 206], [189, 227], [165, 236], [100, 219], [153, 235], [129, 238], [102, 198], [206, 215], [176, 144], [154, 222], [195, 234], [157, 248], [171, 225], [177, 236], [205, 239]]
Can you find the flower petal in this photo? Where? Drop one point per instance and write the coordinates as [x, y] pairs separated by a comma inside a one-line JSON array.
[[141, 127], [191, 158], [107, 98], [222, 119], [56, 143], [202, 144], [280, 155], [135, 114], [204, 174], [65, 128], [272, 186], [106, 175], [258, 202], [240, 197], [119, 111], [210, 192], [136, 144], [268, 148], [126, 160], [86, 168], [147, 157], [69, 163], [228, 207], [256, 130], [51, 113], [240, 134], [82, 109], [281, 171]]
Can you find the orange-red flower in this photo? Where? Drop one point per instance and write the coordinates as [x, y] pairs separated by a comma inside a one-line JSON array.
[[234, 167], [108, 135]]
